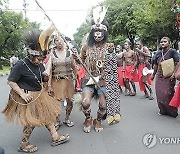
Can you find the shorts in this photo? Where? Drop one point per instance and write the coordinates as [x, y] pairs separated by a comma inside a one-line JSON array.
[[92, 89]]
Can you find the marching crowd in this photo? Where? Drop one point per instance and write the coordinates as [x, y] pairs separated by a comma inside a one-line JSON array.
[[38, 83]]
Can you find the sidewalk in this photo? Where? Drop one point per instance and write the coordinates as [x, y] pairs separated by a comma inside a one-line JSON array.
[[5, 71], [4, 74]]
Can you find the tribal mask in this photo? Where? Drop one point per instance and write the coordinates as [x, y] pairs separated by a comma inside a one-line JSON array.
[[99, 27], [98, 35]]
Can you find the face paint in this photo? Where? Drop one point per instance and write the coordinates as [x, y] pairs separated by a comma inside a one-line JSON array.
[[98, 36]]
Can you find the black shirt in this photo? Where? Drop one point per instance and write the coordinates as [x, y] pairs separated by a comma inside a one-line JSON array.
[[172, 53], [24, 76]]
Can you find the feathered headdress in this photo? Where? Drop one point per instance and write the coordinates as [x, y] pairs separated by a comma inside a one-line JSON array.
[[31, 40], [98, 16], [44, 38]]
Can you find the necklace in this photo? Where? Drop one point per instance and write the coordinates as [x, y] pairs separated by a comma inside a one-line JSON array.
[[40, 74], [40, 82]]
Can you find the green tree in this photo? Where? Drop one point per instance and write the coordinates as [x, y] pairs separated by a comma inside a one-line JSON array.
[[156, 20], [147, 20], [81, 34], [12, 25], [122, 20]]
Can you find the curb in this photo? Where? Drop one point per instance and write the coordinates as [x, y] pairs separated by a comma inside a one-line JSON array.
[[4, 74]]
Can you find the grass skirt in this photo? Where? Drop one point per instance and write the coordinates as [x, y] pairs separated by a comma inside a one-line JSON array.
[[63, 89], [40, 112]]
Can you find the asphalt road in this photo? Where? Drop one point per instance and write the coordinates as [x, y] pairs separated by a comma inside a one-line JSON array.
[[139, 117]]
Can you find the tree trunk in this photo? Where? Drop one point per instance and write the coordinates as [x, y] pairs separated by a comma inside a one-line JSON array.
[[131, 39], [0, 60], [2, 47], [0, 65]]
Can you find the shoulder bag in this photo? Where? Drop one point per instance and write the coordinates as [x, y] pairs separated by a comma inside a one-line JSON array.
[[167, 66]]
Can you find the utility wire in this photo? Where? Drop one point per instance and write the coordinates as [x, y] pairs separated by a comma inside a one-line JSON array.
[[45, 10]]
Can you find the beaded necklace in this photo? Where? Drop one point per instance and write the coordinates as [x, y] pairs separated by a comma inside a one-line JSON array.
[[40, 82], [40, 74]]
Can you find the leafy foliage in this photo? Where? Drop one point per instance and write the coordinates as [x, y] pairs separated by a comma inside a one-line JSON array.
[[155, 21], [148, 20], [79, 37], [12, 26], [121, 19]]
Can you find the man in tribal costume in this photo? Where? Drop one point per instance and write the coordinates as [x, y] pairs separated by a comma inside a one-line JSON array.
[[29, 104], [93, 56], [129, 68], [145, 81]]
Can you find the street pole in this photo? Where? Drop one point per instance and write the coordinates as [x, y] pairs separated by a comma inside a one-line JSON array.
[[25, 8]]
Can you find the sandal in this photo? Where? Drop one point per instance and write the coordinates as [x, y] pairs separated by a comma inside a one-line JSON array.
[[117, 118], [69, 123], [110, 120], [62, 139], [28, 148]]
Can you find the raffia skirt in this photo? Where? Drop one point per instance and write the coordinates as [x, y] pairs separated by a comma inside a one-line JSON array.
[[41, 111], [63, 89]]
